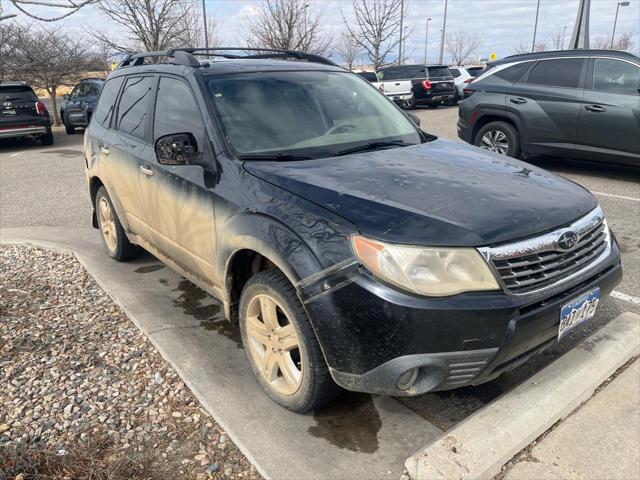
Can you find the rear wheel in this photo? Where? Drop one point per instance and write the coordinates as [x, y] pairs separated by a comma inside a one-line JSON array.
[[113, 236], [47, 139], [499, 137], [69, 128], [281, 345]]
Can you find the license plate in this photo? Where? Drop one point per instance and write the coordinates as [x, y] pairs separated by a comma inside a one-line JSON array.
[[578, 311]]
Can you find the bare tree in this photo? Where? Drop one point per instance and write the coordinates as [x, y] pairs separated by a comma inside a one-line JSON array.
[[287, 25], [47, 58], [149, 24], [8, 32], [556, 40], [623, 42], [348, 50], [376, 29], [461, 45], [539, 47], [66, 8]]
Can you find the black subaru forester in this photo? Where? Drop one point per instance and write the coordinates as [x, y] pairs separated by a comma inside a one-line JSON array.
[[354, 249]]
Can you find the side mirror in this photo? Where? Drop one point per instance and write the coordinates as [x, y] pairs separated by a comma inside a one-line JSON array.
[[414, 118], [177, 149], [65, 96]]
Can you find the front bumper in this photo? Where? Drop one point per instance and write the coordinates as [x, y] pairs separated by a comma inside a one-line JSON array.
[[22, 131], [372, 334]]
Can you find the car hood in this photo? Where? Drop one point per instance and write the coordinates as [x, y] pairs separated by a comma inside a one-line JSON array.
[[437, 193]]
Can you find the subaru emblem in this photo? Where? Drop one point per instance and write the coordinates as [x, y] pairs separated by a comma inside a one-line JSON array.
[[567, 240]]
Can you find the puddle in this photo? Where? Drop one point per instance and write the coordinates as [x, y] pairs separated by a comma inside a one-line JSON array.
[[66, 152], [210, 314], [350, 422], [149, 268]]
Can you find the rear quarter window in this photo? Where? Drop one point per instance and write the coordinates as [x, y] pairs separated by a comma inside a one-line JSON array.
[[107, 100], [513, 73]]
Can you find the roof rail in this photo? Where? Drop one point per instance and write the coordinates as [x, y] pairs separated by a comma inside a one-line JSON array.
[[186, 56]]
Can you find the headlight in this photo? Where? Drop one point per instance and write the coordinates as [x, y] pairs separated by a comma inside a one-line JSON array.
[[425, 270]]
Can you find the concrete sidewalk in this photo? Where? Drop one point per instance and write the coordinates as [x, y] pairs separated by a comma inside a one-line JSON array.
[[600, 440]]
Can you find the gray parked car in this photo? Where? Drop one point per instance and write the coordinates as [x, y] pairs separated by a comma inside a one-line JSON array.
[[78, 106], [575, 103]]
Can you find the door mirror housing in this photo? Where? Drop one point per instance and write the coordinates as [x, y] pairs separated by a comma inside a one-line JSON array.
[[414, 118], [65, 96], [177, 149]]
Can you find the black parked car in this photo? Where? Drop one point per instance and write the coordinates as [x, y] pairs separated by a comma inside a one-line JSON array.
[[413, 85], [352, 248], [576, 103], [22, 115], [78, 106]]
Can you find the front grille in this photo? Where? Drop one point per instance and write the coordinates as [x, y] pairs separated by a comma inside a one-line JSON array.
[[539, 263]]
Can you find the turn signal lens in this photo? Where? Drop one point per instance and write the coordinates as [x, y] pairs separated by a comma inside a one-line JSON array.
[[430, 271]]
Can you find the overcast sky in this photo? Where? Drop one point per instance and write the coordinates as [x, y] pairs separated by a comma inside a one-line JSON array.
[[502, 24]]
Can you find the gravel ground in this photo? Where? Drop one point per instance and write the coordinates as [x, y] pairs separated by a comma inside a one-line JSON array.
[[83, 394]]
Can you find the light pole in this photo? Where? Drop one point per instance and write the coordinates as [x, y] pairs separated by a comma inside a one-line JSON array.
[[426, 41], [444, 27], [535, 29], [401, 32], [204, 19], [564, 31], [613, 34]]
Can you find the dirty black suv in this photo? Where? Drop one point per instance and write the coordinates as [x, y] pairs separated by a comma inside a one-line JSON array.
[[354, 249]]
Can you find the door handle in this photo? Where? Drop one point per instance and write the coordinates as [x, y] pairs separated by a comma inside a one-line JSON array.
[[146, 170], [517, 100], [595, 108], [104, 150]]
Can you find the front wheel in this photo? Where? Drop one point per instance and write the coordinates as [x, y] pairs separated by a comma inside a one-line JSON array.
[[281, 345], [68, 127], [499, 137]]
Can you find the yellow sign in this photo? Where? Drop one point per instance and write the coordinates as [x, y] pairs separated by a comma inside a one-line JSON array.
[[493, 56], [113, 65]]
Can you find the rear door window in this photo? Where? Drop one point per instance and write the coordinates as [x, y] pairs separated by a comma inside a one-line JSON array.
[[391, 73], [106, 102], [133, 109], [615, 76], [563, 72]]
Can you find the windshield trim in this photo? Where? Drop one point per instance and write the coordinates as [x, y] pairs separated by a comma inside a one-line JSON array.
[[307, 151]]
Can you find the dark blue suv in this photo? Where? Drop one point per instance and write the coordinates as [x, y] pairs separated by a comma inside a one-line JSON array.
[[354, 249], [77, 108]]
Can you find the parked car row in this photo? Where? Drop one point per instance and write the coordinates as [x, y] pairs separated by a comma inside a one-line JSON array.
[[355, 250]]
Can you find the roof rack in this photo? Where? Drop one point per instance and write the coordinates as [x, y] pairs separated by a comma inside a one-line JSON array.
[[187, 56]]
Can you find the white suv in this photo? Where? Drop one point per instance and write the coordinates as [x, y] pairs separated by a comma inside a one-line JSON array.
[[463, 75]]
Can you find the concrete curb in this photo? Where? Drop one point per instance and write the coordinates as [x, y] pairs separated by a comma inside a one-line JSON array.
[[479, 447]]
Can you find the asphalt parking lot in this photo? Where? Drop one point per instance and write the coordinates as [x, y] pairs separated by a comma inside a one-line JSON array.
[[46, 187]]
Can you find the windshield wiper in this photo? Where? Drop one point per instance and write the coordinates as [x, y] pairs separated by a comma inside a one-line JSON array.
[[279, 157], [373, 146]]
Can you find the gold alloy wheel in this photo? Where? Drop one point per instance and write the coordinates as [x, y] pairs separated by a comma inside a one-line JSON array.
[[274, 345], [107, 224]]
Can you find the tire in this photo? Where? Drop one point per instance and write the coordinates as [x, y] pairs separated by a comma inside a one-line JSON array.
[[47, 139], [70, 129], [499, 137], [311, 385], [411, 104], [116, 242], [453, 101]]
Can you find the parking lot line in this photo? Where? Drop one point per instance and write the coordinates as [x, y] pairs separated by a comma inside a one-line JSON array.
[[625, 297], [621, 197]]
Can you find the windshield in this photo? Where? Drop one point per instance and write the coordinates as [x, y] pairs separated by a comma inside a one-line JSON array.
[[306, 113]]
